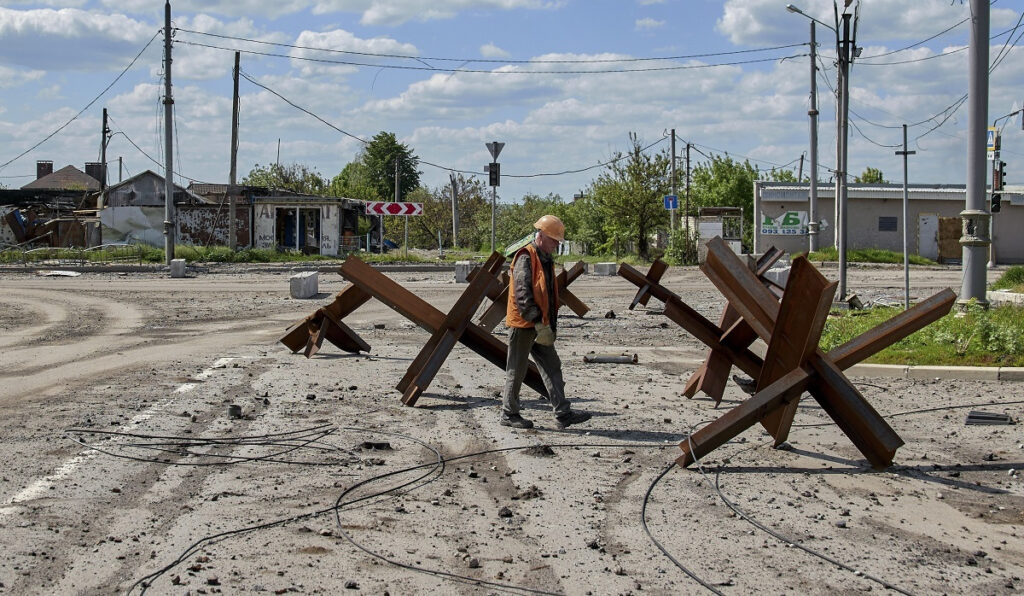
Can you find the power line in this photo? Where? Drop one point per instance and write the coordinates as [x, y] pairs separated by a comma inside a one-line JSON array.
[[488, 60], [87, 106], [913, 45], [498, 72], [150, 157]]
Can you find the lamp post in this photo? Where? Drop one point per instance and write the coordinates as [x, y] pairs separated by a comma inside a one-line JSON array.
[[812, 112], [843, 53]]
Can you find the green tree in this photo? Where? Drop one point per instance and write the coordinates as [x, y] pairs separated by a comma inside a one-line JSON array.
[[870, 176], [516, 219], [780, 175], [379, 158], [629, 193], [723, 182], [294, 177], [353, 182]]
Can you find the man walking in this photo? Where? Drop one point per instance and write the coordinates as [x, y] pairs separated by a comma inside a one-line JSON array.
[[532, 315]]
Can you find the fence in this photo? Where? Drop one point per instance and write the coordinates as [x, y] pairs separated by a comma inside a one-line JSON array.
[[105, 254]]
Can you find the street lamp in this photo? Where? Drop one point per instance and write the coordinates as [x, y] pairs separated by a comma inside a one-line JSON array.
[[843, 53]]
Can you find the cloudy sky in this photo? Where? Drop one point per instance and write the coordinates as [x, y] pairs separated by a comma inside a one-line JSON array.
[[561, 82]]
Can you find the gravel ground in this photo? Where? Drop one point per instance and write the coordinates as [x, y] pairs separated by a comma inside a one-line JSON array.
[[124, 471]]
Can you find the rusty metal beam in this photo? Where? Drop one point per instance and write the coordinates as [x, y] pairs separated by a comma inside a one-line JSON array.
[[429, 318], [653, 277], [302, 334], [742, 417], [426, 364]]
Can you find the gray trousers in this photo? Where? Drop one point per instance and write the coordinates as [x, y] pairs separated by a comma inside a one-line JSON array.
[[521, 346]]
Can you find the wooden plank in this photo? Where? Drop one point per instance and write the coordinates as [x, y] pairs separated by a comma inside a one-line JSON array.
[[742, 417]]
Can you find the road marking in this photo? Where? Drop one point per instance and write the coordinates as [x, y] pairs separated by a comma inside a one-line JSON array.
[[41, 487]]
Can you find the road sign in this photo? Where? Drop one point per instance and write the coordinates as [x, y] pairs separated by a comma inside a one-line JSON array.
[[990, 139], [495, 148], [393, 208], [671, 202]]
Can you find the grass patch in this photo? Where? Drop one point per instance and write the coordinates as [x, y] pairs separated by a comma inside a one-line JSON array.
[[867, 255], [1012, 279], [993, 337]]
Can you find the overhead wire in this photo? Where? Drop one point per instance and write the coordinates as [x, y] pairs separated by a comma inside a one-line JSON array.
[[491, 71], [490, 60]]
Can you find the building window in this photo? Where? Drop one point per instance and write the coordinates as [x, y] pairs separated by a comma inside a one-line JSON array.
[[887, 223]]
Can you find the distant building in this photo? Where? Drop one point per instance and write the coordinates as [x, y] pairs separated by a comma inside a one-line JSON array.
[[875, 214], [66, 178]]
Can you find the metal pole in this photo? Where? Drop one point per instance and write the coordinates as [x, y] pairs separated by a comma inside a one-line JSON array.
[[455, 213], [120, 168], [844, 58], [906, 223], [103, 152], [975, 215], [672, 212], [233, 176], [812, 215], [169, 225], [494, 203]]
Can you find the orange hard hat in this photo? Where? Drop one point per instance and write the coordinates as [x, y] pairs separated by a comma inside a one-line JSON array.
[[552, 227]]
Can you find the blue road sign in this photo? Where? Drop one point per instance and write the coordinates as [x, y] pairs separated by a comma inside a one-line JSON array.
[[671, 202]]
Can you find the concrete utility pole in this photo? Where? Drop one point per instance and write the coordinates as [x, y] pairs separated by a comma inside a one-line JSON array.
[[975, 216], [233, 176], [103, 152], [169, 221], [686, 211], [906, 223], [812, 211], [672, 212], [845, 56], [455, 209]]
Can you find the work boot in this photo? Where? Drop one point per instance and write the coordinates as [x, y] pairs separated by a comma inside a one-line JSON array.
[[570, 418], [515, 421]]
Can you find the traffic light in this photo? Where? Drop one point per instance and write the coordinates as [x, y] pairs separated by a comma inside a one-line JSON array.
[[494, 170], [996, 199], [1002, 174]]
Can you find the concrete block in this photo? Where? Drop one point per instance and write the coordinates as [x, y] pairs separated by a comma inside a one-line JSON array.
[[1011, 373], [606, 268], [877, 370], [779, 275], [305, 284], [462, 271], [177, 267], [973, 373]]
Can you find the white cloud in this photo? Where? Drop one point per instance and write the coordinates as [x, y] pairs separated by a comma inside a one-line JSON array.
[[345, 47], [648, 23], [489, 50], [69, 38], [15, 77]]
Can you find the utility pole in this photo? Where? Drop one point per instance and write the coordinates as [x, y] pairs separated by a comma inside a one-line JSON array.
[[686, 211], [455, 213], [845, 55], [103, 152], [975, 216], [169, 216], [672, 212], [800, 172], [812, 211], [906, 223], [233, 177], [120, 168]]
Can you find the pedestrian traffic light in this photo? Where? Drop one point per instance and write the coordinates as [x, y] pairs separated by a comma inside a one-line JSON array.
[[996, 200], [495, 173]]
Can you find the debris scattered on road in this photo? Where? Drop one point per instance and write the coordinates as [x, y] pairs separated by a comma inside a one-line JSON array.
[[234, 411], [610, 358], [982, 417]]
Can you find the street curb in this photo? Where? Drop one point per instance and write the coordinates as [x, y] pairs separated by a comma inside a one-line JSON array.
[[972, 373], [999, 297]]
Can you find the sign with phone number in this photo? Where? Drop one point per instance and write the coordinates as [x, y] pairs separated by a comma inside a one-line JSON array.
[[790, 223]]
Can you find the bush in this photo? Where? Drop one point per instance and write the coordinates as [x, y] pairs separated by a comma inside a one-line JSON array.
[[867, 255], [1011, 279]]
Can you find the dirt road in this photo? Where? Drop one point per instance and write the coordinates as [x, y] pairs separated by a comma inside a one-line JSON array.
[[123, 471]]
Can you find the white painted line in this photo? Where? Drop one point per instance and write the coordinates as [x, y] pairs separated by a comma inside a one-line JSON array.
[[43, 486]]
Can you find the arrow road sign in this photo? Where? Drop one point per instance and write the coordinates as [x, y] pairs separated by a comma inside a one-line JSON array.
[[393, 208]]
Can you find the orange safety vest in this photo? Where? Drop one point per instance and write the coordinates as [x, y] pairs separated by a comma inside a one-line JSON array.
[[513, 317]]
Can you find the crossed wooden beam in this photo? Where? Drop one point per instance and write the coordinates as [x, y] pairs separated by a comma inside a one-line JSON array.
[[446, 329], [793, 362]]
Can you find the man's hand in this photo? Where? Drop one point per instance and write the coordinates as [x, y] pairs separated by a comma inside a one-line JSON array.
[[545, 336]]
